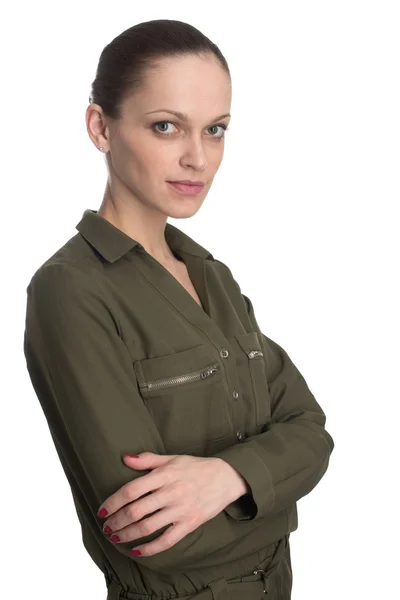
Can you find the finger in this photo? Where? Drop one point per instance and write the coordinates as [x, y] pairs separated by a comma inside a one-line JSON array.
[[134, 511], [129, 492], [145, 527], [169, 538], [147, 460]]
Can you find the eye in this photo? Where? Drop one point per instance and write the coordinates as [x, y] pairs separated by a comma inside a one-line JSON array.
[[223, 127], [161, 123], [166, 134]]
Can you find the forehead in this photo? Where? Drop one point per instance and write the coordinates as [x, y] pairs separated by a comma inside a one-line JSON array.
[[191, 85]]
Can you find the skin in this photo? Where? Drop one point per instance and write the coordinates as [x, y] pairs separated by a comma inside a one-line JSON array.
[[186, 490]]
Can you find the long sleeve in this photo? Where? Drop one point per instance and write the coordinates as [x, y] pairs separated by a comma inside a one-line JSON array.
[[83, 376], [285, 462]]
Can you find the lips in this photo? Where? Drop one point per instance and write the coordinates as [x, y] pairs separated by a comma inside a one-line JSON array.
[[187, 182], [186, 188]]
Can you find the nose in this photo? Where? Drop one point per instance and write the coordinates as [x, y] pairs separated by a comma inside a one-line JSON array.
[[194, 155]]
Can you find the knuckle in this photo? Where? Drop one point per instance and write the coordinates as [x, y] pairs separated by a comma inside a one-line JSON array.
[[133, 513], [146, 527], [169, 542], [194, 522], [125, 495], [168, 474], [130, 490], [168, 539]]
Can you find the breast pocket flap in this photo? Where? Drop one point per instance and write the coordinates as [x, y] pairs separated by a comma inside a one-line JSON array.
[[181, 368], [250, 342]]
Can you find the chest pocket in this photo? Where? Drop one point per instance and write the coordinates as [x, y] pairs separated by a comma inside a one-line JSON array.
[[185, 395], [254, 362]]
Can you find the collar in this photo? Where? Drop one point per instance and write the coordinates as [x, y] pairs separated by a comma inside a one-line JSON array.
[[112, 243]]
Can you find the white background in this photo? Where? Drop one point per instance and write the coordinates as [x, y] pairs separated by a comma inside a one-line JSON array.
[[307, 194]]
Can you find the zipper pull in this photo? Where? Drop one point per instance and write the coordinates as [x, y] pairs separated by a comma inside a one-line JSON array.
[[264, 577], [208, 372], [254, 353]]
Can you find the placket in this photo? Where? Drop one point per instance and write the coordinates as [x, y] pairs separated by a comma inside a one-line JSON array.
[[178, 297]]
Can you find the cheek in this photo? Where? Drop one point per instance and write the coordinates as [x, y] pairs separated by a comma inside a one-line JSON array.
[[158, 163], [124, 153], [217, 155], [148, 152]]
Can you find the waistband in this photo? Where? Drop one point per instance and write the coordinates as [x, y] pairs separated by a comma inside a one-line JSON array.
[[237, 588]]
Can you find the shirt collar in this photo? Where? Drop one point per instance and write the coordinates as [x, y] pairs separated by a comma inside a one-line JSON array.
[[112, 243]]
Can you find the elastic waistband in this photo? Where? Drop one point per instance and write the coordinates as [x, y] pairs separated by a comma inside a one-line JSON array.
[[219, 589]]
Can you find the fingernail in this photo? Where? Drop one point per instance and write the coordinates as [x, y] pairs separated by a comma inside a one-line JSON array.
[[132, 455], [136, 552], [102, 513], [107, 529], [114, 538]]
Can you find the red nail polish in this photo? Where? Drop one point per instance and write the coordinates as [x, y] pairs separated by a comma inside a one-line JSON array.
[[107, 529], [114, 538], [136, 552], [102, 513], [132, 455]]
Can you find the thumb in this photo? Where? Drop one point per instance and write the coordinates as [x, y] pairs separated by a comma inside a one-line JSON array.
[[146, 460]]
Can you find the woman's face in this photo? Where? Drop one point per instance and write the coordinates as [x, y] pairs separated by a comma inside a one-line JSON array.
[[148, 150]]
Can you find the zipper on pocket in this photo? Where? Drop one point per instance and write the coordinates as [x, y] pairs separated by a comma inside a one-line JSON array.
[[156, 384], [255, 353]]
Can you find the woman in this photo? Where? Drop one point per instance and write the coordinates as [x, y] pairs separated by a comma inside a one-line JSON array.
[[186, 434]]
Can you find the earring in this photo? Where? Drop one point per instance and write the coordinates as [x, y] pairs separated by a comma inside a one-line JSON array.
[[101, 149]]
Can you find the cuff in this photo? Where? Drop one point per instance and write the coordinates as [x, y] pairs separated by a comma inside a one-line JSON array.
[[260, 500], [242, 509]]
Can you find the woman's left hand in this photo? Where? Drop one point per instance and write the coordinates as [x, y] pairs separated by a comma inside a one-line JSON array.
[[186, 491]]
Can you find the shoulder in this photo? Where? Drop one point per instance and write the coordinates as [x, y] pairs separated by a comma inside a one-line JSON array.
[[61, 289], [222, 269], [65, 304], [74, 256], [226, 276], [59, 278], [74, 264]]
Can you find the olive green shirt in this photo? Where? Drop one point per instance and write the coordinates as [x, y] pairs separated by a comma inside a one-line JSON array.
[[123, 360]]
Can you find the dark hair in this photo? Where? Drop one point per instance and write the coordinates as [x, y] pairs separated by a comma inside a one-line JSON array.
[[124, 62]]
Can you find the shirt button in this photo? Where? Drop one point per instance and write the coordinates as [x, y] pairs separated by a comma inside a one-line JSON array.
[[239, 435], [235, 394], [224, 353]]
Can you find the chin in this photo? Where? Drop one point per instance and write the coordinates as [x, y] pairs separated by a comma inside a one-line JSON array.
[[183, 208], [183, 212]]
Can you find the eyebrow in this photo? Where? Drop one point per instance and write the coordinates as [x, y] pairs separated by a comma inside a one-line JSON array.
[[180, 115]]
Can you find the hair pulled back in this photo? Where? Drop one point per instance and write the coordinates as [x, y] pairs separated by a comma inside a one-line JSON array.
[[127, 59]]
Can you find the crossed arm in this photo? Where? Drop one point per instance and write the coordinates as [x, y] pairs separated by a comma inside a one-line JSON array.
[[83, 376]]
